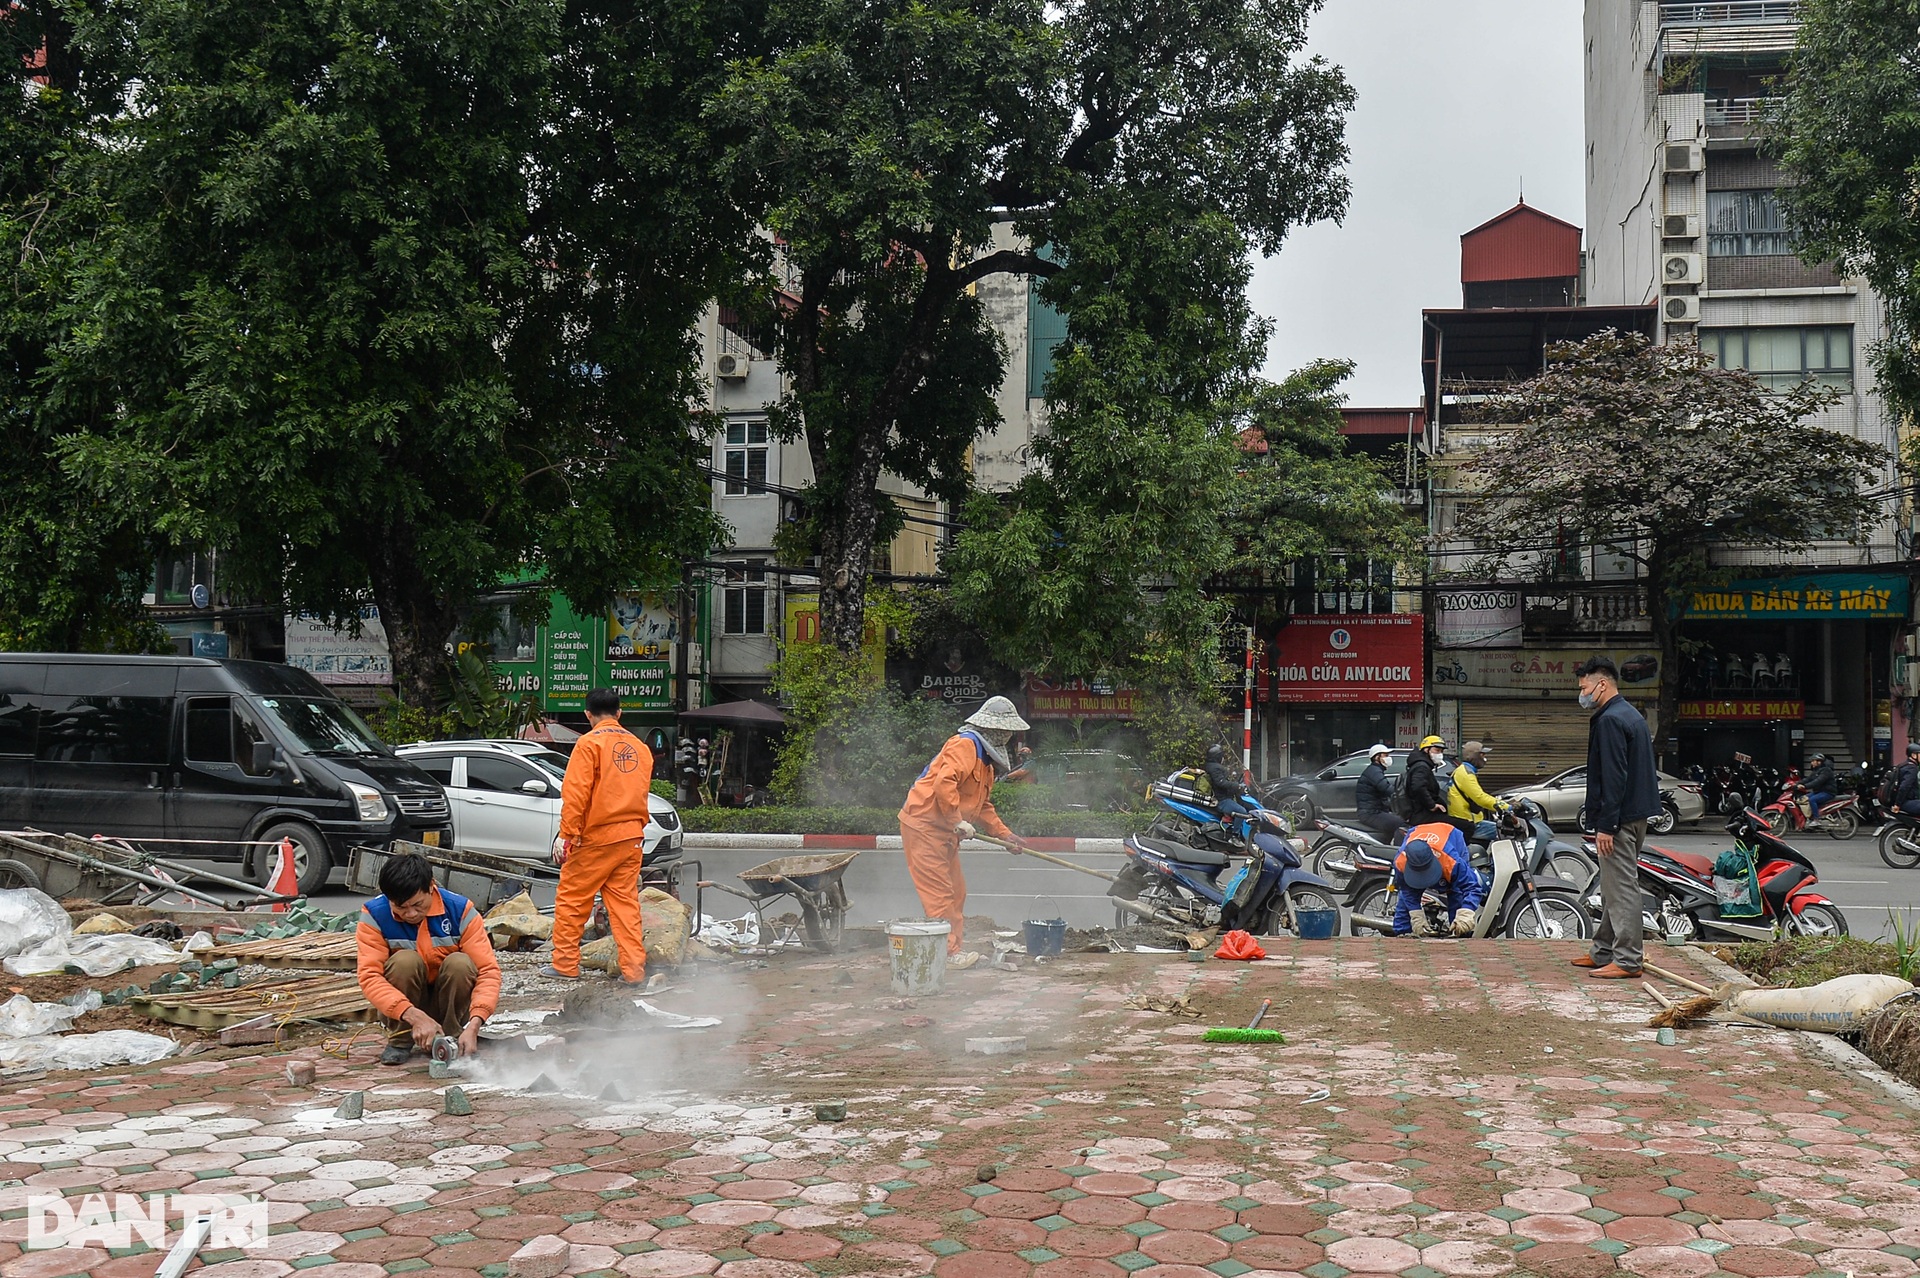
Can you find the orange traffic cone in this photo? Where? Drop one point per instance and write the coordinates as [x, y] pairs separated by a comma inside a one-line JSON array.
[[285, 881]]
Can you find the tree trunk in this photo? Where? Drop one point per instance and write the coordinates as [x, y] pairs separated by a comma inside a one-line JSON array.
[[846, 547], [418, 620], [1666, 637]]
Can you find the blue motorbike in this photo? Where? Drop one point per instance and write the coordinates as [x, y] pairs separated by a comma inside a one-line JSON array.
[[1169, 881], [1190, 814]]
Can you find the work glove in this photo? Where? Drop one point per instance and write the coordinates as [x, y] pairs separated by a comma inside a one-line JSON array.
[[1019, 845], [964, 829], [1463, 923], [562, 846]]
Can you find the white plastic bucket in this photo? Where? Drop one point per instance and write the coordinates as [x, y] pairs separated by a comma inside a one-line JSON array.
[[918, 950]]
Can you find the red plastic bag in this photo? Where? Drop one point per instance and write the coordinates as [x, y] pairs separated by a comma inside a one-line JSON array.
[[1239, 945]]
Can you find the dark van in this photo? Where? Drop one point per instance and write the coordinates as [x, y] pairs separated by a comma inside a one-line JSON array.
[[225, 755]]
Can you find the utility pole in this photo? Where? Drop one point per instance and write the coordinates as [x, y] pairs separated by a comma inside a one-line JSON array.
[[1246, 741]]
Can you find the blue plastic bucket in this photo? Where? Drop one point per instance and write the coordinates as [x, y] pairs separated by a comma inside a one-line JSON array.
[[1046, 937], [1317, 925]]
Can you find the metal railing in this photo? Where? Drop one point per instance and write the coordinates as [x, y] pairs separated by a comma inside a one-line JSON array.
[[1739, 110], [1718, 13]]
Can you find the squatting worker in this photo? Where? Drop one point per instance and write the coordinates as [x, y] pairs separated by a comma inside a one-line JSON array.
[[1435, 856], [603, 826], [1622, 792], [425, 962], [951, 795]]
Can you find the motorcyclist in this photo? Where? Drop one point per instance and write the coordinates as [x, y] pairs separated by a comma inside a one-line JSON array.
[[1435, 855], [1906, 792], [1229, 789], [1820, 783], [1425, 798], [1373, 796], [1468, 800]]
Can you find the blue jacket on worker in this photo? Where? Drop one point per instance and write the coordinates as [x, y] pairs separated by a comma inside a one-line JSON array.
[[1434, 855]]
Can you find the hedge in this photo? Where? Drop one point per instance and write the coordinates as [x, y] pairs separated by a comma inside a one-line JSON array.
[[830, 820]]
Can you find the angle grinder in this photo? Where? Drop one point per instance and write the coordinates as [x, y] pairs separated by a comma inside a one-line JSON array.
[[446, 1049]]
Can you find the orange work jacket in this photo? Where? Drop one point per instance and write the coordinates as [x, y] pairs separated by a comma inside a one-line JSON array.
[[956, 787], [604, 796], [453, 926]]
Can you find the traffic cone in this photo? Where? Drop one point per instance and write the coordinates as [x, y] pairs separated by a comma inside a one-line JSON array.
[[285, 881]]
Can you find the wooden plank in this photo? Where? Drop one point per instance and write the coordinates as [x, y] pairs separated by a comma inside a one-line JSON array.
[[303, 998], [322, 951]]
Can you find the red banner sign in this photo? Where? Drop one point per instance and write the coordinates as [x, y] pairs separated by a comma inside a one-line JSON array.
[[1074, 699], [1743, 711], [1349, 657]]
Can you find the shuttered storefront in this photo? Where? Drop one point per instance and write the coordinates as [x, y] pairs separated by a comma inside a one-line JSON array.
[[1530, 741]]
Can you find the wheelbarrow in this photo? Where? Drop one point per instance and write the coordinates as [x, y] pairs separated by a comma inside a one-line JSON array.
[[813, 881]]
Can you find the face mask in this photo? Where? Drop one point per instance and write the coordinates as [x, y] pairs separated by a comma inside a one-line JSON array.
[[1438, 756], [1587, 701]]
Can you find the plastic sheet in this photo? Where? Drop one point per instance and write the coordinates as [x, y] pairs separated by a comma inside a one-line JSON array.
[[21, 1017], [36, 939], [86, 1051]]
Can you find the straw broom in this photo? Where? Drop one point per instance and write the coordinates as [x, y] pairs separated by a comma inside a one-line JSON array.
[[1675, 1015]]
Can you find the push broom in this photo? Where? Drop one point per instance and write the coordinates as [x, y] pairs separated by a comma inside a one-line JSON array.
[[1252, 1033]]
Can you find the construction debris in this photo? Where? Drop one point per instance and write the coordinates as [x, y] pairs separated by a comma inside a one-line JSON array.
[[354, 1106], [102, 925], [454, 1101], [517, 923], [547, 1256], [251, 1033], [1006, 1045], [318, 951], [1159, 1003], [300, 1073], [304, 998]]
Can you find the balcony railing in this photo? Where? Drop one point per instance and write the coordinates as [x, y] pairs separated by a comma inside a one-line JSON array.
[[1720, 13], [1738, 110]]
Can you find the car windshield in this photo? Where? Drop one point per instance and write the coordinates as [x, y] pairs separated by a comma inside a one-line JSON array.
[[548, 761], [324, 727]]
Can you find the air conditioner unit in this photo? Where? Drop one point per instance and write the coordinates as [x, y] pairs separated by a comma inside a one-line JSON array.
[[1910, 644], [1680, 226], [1682, 308], [731, 366], [1682, 268], [1910, 680], [1683, 157]]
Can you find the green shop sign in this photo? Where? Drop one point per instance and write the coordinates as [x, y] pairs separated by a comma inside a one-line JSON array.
[[1847, 596], [628, 648]]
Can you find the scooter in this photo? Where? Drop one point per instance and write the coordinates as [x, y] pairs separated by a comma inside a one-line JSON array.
[[1520, 903], [1899, 841], [1839, 816], [1191, 815], [1167, 879], [1680, 902]]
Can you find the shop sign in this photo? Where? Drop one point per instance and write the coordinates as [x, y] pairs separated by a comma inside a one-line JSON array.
[[1742, 711], [1348, 657], [627, 647], [1830, 597], [1481, 617], [801, 624], [952, 683], [333, 654], [1538, 669], [1078, 699]]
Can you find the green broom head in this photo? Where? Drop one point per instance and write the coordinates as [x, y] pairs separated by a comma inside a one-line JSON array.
[[1240, 1034]]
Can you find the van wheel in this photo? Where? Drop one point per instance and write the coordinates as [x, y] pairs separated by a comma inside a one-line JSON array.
[[312, 862], [16, 874]]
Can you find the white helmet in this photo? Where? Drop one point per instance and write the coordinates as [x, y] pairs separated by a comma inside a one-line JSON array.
[[997, 713], [1378, 750]]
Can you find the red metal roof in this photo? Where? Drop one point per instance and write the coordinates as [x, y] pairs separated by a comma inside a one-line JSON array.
[[1521, 244], [1382, 421]]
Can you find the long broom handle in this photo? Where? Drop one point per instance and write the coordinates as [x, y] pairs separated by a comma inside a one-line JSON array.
[[1664, 974], [1048, 857]]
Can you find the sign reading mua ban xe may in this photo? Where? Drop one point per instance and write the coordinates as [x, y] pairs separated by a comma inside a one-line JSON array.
[[1832, 597], [1348, 657]]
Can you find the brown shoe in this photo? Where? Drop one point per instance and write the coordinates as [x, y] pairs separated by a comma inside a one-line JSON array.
[[1586, 960], [1614, 972]]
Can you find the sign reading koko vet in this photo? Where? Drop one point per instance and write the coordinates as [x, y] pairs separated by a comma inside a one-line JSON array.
[[1348, 657]]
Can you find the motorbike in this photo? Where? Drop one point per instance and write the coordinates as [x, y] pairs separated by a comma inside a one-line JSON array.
[[1839, 816], [1899, 841], [1191, 815], [1660, 823], [1167, 880], [1679, 901], [1340, 848], [1527, 895]]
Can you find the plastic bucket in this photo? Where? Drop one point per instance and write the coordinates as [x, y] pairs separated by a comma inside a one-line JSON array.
[[1317, 925], [917, 949]]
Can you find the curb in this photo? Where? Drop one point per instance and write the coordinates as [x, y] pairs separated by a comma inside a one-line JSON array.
[[882, 842]]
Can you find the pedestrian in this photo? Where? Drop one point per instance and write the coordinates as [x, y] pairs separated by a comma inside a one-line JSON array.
[[1373, 796], [953, 792], [1623, 790], [424, 961], [603, 826], [1468, 800]]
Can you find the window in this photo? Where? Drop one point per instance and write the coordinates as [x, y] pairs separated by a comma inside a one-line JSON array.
[[1337, 584], [215, 734], [1046, 329], [1785, 356], [437, 766], [503, 776], [747, 445], [17, 716], [745, 602], [104, 729], [1746, 224]]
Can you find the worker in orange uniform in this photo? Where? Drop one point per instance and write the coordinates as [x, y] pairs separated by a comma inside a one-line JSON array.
[[603, 825], [424, 961], [952, 793]]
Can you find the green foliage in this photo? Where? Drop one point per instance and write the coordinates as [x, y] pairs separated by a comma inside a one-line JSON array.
[[1799, 961], [1848, 138], [477, 707], [886, 820], [397, 723]]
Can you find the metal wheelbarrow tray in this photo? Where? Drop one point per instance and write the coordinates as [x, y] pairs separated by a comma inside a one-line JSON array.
[[813, 881], [481, 877]]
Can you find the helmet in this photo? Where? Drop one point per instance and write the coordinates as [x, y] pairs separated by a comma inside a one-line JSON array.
[[1216, 754], [1433, 743], [1377, 749]]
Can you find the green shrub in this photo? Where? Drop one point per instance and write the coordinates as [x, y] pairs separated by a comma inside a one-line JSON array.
[[868, 820]]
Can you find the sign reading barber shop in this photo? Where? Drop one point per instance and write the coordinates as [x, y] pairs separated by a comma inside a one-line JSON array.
[[1348, 657]]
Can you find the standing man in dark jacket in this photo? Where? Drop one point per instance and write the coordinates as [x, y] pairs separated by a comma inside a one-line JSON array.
[[1373, 796], [1622, 792]]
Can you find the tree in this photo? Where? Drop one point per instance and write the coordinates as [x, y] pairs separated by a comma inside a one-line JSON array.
[[1654, 450], [1848, 137], [394, 303], [900, 153]]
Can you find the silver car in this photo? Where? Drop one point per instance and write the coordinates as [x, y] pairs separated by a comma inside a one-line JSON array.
[[1563, 800], [505, 796]]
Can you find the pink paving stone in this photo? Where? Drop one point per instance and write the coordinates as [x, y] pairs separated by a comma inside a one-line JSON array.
[[1651, 1231], [246, 1269], [1115, 1184], [1546, 1201], [1374, 1195], [1552, 1228], [1199, 1189], [1860, 1237], [759, 1190], [667, 1264], [731, 1213], [1667, 1262], [296, 1245], [1373, 1255], [1867, 1264], [1466, 1259]]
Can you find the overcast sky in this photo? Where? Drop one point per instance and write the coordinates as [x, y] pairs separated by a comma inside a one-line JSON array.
[[1459, 101]]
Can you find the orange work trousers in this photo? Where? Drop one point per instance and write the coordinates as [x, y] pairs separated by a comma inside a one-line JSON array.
[[933, 859], [612, 870]]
